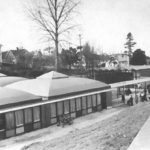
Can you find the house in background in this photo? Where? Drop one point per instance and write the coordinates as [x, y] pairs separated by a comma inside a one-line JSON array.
[[117, 61], [147, 60], [8, 57], [123, 59], [13, 56]]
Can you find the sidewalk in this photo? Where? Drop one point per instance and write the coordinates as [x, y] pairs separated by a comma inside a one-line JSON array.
[[52, 132], [142, 140]]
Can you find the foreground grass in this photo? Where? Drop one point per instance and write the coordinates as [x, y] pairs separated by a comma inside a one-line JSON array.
[[112, 134]]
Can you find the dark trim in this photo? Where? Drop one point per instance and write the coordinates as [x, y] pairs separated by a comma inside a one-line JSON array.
[[20, 103]]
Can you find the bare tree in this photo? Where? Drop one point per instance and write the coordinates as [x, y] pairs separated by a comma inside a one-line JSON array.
[[54, 18]]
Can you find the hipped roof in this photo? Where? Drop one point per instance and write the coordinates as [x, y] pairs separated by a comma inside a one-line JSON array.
[[2, 75], [52, 75], [58, 86], [10, 79], [11, 97]]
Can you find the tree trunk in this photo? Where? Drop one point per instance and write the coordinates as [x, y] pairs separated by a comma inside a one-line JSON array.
[[56, 54], [56, 38]]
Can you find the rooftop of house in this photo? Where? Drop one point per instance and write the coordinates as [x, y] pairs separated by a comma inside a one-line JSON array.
[[15, 52]]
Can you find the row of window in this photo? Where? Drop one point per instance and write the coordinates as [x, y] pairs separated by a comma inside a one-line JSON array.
[[20, 121]]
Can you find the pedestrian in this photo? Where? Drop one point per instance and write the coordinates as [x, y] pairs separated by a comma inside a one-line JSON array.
[[123, 98], [136, 98], [130, 101]]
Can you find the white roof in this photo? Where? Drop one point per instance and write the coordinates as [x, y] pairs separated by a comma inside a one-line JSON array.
[[57, 84], [9, 80], [2, 75], [38, 87], [53, 75]]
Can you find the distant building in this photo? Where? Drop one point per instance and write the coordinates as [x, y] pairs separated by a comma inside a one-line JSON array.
[[8, 57], [112, 63], [148, 60], [123, 59], [117, 61], [12, 56]]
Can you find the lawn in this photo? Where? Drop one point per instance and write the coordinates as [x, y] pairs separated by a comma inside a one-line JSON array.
[[115, 133]]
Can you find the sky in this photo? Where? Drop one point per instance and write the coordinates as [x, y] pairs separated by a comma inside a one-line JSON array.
[[103, 23]]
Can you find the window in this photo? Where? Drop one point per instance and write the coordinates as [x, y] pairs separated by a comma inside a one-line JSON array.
[[89, 101], [72, 105], [66, 107], [2, 126], [98, 99], [53, 109], [84, 102], [10, 123], [78, 104], [2, 121], [19, 117], [36, 114], [94, 100], [28, 115], [60, 108]]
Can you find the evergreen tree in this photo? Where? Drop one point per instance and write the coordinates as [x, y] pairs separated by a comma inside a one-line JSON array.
[[130, 44]]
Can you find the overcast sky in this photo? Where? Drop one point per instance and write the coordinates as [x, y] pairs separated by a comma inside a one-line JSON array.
[[104, 23]]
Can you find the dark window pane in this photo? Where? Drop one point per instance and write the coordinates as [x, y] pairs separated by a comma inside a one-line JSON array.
[[89, 101], [72, 105], [19, 117], [10, 123], [66, 107], [28, 115], [94, 100], [98, 99], [53, 109], [78, 104], [2, 121], [60, 108], [84, 102], [36, 113]]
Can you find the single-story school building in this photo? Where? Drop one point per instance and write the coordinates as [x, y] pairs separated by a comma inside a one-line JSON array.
[[32, 104]]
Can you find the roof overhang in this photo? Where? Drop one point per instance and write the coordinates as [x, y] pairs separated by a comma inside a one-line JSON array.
[[130, 82]]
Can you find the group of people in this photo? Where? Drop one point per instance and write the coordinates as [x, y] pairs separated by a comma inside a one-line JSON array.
[[130, 101]]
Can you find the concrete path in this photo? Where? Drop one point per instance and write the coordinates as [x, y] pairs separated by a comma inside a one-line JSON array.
[[142, 140]]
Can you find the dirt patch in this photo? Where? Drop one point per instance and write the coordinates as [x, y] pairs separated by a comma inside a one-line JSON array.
[[115, 133]]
